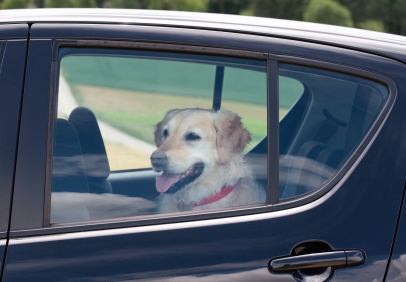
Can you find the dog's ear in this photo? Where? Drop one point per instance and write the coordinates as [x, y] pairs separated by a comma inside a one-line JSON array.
[[232, 137], [158, 138]]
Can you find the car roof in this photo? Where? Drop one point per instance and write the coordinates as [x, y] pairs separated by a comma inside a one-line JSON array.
[[389, 45]]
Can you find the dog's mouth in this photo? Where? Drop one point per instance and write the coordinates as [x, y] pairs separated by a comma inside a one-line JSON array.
[[172, 183]]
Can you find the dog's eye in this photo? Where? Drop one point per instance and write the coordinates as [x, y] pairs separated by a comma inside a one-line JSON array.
[[192, 137], [165, 133]]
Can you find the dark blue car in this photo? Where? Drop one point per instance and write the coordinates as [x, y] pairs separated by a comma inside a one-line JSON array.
[[82, 91]]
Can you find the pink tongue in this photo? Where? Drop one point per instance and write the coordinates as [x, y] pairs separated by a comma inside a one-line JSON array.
[[164, 182]]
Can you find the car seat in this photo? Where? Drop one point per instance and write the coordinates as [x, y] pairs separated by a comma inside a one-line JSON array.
[[93, 150], [68, 175], [317, 160]]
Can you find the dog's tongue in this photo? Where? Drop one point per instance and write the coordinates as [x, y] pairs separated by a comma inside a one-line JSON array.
[[165, 181]]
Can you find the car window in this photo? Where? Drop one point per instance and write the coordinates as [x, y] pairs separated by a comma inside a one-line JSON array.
[[190, 117], [324, 125], [243, 92], [290, 90]]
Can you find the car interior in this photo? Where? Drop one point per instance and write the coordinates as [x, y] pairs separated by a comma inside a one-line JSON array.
[[317, 135], [324, 127]]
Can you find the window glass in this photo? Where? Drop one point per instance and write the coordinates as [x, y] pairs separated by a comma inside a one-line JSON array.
[[290, 90], [324, 124], [191, 116], [243, 92]]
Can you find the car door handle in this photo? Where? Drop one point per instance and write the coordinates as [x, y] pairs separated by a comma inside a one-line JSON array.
[[340, 259]]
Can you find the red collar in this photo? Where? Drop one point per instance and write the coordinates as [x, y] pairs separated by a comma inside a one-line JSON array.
[[220, 195]]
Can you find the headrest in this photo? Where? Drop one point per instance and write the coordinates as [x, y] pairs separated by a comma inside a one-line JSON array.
[[68, 172], [91, 141]]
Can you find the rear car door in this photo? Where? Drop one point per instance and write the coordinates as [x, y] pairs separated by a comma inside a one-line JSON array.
[[396, 270], [84, 210], [13, 47]]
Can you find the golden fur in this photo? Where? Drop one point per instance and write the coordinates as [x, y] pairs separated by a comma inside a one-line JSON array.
[[222, 138]]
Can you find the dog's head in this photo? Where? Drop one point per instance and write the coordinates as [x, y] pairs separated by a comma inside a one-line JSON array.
[[192, 143]]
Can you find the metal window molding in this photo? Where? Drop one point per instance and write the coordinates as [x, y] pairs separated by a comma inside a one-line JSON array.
[[272, 191], [58, 43]]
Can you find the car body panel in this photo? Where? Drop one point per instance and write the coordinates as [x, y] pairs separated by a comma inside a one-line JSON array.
[[3, 246], [11, 79], [14, 31], [190, 36], [33, 138], [12, 65], [328, 34], [218, 248], [397, 266]]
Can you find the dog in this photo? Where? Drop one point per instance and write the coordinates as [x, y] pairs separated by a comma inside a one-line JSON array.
[[199, 153]]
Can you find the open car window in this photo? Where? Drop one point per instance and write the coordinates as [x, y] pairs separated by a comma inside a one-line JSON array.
[[190, 117], [324, 125]]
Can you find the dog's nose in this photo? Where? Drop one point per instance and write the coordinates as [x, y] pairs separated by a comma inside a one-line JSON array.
[[159, 160]]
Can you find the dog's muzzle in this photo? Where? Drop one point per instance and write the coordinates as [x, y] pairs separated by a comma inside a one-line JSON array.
[[159, 160], [197, 170]]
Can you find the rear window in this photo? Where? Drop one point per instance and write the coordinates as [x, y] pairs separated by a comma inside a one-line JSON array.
[[324, 126]]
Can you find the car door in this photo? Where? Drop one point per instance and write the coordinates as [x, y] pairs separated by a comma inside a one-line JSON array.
[[334, 182], [13, 46], [396, 268]]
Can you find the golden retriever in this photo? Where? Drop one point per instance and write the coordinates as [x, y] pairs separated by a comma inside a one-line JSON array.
[[200, 156]]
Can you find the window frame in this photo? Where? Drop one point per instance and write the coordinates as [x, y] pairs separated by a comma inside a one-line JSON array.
[[147, 219], [273, 203], [341, 173]]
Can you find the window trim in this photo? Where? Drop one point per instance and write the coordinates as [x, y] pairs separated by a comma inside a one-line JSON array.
[[272, 191]]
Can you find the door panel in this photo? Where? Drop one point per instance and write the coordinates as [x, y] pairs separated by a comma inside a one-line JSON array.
[[12, 66], [13, 47], [30, 164], [216, 249], [397, 265], [11, 80], [3, 245], [359, 213]]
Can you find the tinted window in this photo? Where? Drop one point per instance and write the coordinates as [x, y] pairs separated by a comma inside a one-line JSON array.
[[324, 126], [115, 108], [290, 90]]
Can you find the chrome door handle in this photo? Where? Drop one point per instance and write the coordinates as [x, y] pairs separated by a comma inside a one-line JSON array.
[[339, 259]]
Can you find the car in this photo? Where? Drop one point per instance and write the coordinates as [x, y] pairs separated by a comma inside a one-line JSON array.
[[82, 91]]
